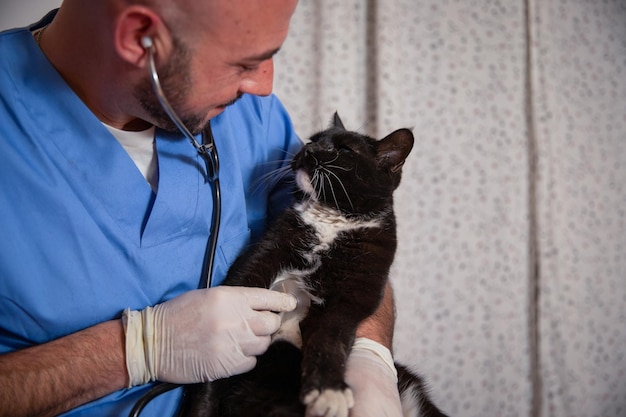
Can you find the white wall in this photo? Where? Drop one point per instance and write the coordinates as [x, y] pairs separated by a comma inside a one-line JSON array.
[[15, 13]]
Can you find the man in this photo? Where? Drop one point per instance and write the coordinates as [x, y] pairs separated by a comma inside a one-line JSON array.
[[103, 213]]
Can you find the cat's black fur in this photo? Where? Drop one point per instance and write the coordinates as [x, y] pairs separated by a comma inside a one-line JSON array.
[[332, 249]]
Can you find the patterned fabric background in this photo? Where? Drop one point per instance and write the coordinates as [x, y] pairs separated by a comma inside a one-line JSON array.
[[510, 277], [579, 97]]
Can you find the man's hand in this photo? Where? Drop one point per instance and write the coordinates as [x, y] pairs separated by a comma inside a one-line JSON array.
[[202, 335], [372, 376]]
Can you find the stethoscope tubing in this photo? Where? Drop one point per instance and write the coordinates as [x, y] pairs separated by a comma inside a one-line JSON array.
[[210, 159], [208, 152]]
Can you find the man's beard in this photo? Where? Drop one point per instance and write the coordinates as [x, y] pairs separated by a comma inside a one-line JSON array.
[[175, 80]]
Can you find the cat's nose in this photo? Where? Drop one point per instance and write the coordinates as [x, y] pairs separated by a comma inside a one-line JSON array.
[[306, 158]]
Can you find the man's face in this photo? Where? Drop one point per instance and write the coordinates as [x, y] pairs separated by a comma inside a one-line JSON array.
[[233, 56], [175, 82]]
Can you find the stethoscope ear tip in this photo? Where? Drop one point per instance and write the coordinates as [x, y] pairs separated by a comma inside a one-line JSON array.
[[146, 42]]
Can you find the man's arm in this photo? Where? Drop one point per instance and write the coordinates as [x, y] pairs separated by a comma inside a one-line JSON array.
[[235, 324], [379, 326], [51, 378], [370, 370]]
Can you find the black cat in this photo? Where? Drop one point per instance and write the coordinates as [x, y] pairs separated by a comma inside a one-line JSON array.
[[332, 249]]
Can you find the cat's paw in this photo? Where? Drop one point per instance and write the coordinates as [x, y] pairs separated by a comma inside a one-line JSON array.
[[329, 403]]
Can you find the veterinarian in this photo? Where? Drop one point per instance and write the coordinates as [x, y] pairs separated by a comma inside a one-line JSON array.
[[105, 207]]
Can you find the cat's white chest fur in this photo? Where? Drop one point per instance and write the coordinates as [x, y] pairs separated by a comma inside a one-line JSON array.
[[328, 224]]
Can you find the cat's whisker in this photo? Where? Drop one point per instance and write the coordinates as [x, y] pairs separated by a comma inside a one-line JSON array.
[[282, 164], [332, 189], [339, 167], [333, 160], [320, 189], [270, 178], [284, 167], [283, 161], [317, 185], [275, 173], [345, 191]]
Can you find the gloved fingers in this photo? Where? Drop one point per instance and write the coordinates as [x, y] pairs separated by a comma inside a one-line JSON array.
[[255, 346], [244, 365], [264, 323], [263, 299]]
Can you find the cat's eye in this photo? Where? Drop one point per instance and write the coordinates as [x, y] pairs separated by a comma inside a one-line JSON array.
[[345, 149]]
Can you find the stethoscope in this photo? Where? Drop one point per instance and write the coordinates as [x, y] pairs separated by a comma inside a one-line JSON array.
[[208, 152]]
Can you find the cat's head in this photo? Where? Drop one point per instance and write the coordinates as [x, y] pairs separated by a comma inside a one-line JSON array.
[[351, 172]]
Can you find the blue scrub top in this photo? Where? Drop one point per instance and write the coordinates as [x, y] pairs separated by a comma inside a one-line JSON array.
[[82, 234]]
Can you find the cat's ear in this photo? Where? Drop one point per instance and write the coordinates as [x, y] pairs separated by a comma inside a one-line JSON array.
[[394, 149], [337, 122]]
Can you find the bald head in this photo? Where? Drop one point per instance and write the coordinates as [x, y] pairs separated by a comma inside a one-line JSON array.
[[207, 53]]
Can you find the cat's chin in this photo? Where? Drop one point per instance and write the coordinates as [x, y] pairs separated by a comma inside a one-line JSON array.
[[304, 182]]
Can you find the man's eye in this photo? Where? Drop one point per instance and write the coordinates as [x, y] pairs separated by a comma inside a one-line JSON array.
[[249, 68]]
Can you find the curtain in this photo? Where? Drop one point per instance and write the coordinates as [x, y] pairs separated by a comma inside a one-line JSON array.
[[510, 275]]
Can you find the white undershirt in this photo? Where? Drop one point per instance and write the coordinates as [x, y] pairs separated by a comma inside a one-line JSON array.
[[141, 148]]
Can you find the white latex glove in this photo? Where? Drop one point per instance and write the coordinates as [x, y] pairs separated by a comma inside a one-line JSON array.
[[373, 378], [202, 335]]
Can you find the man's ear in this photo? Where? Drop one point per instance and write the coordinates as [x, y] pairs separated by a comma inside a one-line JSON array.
[[133, 24]]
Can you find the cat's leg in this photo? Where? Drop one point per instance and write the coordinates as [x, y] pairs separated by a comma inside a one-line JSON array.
[[327, 336]]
